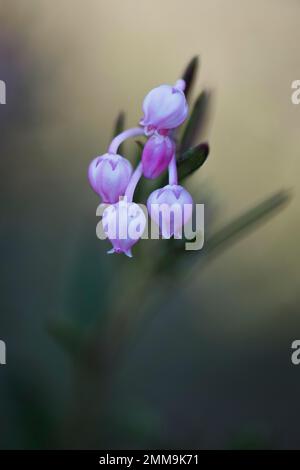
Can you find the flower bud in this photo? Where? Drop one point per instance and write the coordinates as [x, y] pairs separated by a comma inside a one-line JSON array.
[[124, 224], [170, 208], [109, 176], [157, 155], [164, 107]]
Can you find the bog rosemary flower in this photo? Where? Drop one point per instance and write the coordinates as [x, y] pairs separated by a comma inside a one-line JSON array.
[[123, 224], [109, 176], [170, 207], [157, 155], [164, 107]]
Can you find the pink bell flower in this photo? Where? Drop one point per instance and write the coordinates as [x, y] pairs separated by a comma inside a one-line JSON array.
[[109, 176], [170, 208], [124, 224], [157, 155], [165, 107]]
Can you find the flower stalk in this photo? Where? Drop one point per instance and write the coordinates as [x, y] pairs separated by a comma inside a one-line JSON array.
[[119, 139], [173, 175], [133, 182]]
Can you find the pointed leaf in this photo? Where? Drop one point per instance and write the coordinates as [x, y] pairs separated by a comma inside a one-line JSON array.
[[191, 160], [119, 127], [119, 124], [189, 75], [246, 221], [196, 121], [230, 233]]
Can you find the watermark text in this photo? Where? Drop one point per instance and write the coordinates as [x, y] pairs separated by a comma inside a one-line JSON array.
[[2, 92], [295, 97], [2, 352]]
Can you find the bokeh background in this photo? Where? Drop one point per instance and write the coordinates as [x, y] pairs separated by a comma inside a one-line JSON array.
[[105, 352]]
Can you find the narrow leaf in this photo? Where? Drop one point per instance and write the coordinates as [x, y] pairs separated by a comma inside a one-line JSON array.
[[231, 232], [196, 121], [119, 127], [191, 160], [119, 124], [227, 235], [189, 75], [247, 221]]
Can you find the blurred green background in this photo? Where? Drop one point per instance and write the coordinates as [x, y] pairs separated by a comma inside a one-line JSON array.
[[108, 352]]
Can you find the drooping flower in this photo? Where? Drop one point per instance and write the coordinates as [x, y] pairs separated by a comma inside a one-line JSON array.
[[164, 107], [157, 154], [109, 176], [124, 224], [170, 207]]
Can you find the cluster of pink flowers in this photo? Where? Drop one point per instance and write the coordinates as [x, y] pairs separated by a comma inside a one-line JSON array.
[[112, 177]]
